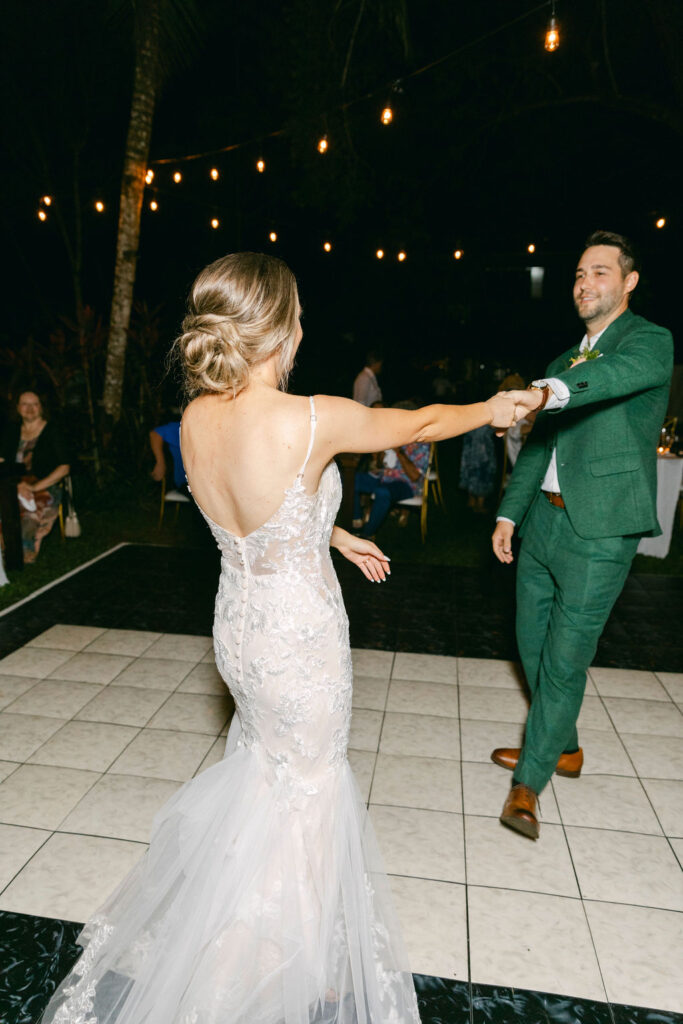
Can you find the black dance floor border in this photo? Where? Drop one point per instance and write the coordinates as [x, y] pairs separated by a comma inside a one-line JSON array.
[[426, 609], [36, 953]]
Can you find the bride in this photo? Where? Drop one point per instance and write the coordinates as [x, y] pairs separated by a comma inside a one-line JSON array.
[[262, 899]]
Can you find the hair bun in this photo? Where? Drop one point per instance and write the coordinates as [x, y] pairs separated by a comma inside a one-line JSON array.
[[243, 309]]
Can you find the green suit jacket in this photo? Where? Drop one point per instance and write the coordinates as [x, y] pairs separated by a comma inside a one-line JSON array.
[[606, 435]]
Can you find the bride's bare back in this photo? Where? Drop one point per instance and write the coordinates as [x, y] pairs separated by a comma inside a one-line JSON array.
[[241, 454]]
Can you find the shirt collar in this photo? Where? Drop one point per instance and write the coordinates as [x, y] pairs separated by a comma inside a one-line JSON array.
[[585, 343]]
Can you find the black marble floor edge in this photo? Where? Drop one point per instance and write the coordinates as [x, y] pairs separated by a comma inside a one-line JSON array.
[[36, 953], [421, 608]]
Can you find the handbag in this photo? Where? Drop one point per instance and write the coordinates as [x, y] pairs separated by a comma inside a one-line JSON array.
[[72, 527]]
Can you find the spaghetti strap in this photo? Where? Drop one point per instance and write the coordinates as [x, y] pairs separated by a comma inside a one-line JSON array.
[[314, 420]]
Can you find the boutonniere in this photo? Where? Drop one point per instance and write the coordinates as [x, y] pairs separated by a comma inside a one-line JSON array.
[[583, 357]]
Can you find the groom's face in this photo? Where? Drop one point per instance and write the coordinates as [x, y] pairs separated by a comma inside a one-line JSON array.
[[600, 287]]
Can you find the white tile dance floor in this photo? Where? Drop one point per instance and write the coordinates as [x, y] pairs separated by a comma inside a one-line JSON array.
[[99, 727]]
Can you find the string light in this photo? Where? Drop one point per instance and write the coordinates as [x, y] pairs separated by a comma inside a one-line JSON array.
[[660, 222], [215, 223], [380, 254], [458, 254], [401, 256], [177, 177], [552, 35], [273, 236], [214, 173], [42, 215], [327, 246], [322, 144], [154, 205], [260, 166], [387, 115], [99, 206], [46, 200], [531, 247], [149, 177]]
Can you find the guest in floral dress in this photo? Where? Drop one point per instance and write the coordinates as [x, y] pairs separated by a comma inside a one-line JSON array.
[[37, 444]]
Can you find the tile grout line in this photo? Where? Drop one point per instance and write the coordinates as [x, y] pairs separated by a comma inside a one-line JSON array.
[[384, 712], [637, 775], [464, 853], [583, 905]]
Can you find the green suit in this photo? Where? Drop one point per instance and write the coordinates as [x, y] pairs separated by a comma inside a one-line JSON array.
[[574, 561]]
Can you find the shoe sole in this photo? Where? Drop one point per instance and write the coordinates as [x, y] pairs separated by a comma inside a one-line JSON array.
[[558, 771], [521, 825]]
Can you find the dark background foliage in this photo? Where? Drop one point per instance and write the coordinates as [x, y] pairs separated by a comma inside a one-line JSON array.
[[497, 146]]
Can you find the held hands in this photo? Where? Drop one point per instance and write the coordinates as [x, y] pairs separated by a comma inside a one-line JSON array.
[[509, 407], [363, 553]]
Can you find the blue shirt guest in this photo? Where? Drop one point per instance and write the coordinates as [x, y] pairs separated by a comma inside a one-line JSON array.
[[170, 434]]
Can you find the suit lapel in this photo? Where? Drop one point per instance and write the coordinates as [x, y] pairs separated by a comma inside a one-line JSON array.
[[606, 343]]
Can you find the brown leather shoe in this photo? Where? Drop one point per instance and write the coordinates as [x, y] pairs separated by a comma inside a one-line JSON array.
[[569, 765], [520, 811]]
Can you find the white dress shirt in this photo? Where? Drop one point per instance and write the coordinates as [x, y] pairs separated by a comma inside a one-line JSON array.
[[366, 390], [557, 399]]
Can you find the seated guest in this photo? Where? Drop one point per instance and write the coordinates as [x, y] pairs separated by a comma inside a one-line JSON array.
[[37, 444], [400, 477], [169, 433]]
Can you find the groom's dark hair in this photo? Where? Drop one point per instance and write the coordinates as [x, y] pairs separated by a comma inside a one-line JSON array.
[[628, 260]]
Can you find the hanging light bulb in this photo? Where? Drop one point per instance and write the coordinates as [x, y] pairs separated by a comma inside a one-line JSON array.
[[154, 205], [327, 246], [458, 254], [46, 200], [273, 236], [401, 256], [42, 215], [99, 206], [149, 177], [531, 248], [552, 35], [215, 223], [322, 144], [177, 177], [660, 222], [380, 254], [260, 166], [387, 115], [214, 173]]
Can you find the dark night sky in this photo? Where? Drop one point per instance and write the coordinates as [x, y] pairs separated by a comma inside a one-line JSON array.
[[501, 145]]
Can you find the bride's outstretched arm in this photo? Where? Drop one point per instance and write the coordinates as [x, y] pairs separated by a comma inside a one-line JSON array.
[[346, 426], [363, 553]]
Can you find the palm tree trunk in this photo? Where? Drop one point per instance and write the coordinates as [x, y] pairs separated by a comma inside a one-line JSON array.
[[132, 188]]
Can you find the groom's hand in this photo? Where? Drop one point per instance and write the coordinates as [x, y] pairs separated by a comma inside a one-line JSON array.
[[502, 541]]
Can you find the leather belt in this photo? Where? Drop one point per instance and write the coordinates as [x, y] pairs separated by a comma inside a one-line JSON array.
[[555, 498]]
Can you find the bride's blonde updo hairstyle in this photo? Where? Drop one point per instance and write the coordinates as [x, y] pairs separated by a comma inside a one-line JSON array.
[[242, 309]]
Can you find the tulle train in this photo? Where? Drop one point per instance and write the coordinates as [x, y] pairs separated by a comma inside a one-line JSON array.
[[246, 911]]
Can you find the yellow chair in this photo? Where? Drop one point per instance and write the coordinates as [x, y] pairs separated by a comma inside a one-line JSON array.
[[431, 485]]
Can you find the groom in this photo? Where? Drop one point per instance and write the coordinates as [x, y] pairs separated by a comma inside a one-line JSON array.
[[582, 493]]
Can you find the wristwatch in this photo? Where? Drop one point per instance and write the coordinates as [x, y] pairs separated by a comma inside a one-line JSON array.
[[545, 391]]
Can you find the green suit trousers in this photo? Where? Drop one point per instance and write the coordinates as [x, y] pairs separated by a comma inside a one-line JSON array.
[[566, 588]]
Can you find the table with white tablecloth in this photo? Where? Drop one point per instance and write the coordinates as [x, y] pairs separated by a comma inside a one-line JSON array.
[[669, 476]]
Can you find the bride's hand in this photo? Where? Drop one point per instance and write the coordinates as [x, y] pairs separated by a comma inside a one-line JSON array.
[[502, 409], [363, 553]]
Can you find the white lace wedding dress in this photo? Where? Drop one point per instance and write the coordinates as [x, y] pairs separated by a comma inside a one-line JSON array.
[[261, 899]]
